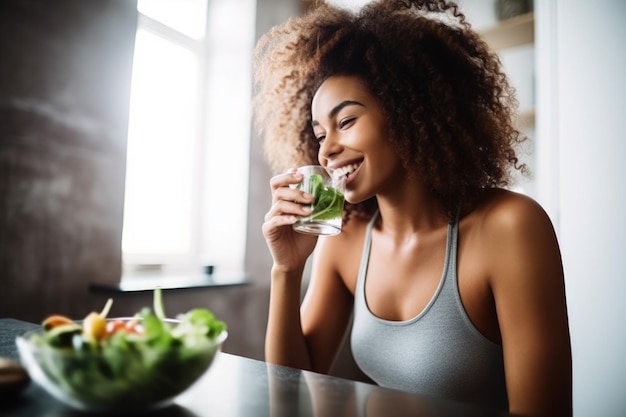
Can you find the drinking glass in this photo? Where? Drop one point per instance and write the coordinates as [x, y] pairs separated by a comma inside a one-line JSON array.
[[327, 209]]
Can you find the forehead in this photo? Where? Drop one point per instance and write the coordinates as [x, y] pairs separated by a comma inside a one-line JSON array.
[[337, 89]]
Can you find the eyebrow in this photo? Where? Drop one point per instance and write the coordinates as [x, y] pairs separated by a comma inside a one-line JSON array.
[[338, 108]]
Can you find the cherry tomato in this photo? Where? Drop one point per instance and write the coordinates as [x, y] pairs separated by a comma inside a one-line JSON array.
[[134, 327], [131, 327], [114, 327]]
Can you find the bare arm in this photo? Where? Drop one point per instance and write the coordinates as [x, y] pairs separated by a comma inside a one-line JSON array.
[[284, 340], [327, 306], [302, 337], [528, 287], [308, 336]]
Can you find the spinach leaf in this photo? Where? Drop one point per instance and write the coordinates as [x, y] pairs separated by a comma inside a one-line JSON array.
[[328, 200]]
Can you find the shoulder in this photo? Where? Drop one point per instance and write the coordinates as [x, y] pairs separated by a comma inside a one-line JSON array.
[[503, 212], [515, 233]]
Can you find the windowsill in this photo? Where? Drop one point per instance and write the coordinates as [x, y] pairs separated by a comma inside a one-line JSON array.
[[146, 282]]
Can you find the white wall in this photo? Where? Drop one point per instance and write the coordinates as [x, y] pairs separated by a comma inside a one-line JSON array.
[[591, 126]]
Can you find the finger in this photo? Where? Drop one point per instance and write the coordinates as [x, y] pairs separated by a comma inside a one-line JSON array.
[[291, 177], [292, 194], [287, 208], [276, 222]]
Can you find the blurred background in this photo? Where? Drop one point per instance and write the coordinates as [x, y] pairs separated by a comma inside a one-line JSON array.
[[127, 160]]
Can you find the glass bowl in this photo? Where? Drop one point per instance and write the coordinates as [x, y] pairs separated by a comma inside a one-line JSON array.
[[134, 374]]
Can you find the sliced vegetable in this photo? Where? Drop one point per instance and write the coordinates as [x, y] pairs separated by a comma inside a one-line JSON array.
[[94, 325], [55, 320], [159, 308], [61, 335]]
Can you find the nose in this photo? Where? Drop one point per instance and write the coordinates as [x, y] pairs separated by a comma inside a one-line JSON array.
[[329, 148]]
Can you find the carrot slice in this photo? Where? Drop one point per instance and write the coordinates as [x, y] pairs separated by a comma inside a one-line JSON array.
[[54, 321]]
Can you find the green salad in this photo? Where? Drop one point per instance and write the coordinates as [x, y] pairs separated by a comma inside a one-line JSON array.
[[328, 200], [131, 362]]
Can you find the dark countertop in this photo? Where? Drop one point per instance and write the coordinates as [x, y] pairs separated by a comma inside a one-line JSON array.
[[243, 387], [9, 330]]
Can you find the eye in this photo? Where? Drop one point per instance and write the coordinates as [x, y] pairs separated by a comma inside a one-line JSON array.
[[320, 138], [347, 122]]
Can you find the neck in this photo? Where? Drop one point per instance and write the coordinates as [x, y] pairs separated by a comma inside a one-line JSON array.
[[410, 211]]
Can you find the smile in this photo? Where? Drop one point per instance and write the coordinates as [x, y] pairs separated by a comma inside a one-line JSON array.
[[345, 170]]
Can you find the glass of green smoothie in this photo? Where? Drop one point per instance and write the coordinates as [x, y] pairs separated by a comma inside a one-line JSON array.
[[327, 209]]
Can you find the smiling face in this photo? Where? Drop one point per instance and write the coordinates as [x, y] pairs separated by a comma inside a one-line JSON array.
[[351, 128]]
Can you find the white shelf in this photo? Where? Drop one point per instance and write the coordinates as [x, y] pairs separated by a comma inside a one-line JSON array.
[[510, 33]]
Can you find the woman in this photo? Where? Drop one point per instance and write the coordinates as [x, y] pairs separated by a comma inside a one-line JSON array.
[[456, 283]]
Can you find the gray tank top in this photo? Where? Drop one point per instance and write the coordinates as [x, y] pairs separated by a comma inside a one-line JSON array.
[[439, 352]]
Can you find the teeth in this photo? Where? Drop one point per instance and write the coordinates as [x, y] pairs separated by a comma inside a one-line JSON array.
[[345, 171]]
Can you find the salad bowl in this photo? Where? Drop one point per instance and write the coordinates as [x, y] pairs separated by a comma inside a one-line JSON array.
[[142, 362]]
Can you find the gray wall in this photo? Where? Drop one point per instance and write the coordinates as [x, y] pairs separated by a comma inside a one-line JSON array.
[[64, 81]]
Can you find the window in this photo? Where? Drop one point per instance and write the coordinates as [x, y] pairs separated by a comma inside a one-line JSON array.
[[188, 139]]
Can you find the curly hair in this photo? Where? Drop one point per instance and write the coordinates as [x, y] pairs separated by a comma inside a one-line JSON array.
[[449, 105]]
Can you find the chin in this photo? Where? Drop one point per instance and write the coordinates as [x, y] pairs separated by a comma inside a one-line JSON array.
[[353, 199]]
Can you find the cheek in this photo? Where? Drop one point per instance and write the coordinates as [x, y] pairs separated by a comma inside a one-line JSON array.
[[383, 153], [374, 137], [386, 166]]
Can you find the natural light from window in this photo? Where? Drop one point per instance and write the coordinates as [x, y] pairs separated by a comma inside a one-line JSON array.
[[185, 16], [162, 132], [188, 140]]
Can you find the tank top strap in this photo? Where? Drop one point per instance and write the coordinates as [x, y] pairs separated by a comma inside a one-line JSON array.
[[365, 256], [449, 284]]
